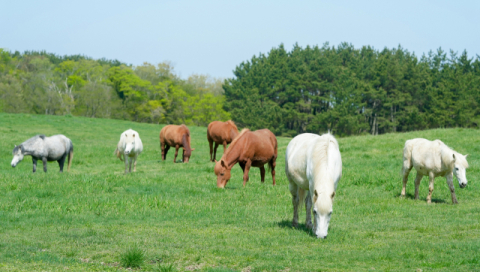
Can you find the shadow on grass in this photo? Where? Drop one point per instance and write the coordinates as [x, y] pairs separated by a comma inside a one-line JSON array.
[[411, 196], [287, 224]]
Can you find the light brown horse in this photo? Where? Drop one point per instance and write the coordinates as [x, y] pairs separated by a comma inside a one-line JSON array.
[[176, 136], [249, 148], [222, 133]]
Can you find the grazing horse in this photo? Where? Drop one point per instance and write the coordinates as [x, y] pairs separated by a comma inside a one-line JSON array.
[[433, 159], [177, 136], [128, 148], [313, 163], [222, 133], [249, 148], [54, 148]]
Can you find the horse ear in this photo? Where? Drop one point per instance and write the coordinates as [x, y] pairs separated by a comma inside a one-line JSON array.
[[333, 195], [454, 158], [315, 196], [223, 164]]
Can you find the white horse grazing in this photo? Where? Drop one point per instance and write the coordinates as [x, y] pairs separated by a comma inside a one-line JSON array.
[[433, 159], [129, 146], [313, 163]]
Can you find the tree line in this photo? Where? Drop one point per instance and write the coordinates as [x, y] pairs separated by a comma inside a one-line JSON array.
[[343, 89], [353, 91], [44, 83]]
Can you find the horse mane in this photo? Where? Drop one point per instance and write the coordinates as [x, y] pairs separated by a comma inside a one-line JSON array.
[[324, 184], [245, 130], [447, 157], [232, 123]]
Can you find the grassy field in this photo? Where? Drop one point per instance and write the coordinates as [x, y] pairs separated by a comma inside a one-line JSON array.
[[174, 218]]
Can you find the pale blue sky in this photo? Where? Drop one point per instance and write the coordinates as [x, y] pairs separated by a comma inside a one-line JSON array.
[[213, 37]]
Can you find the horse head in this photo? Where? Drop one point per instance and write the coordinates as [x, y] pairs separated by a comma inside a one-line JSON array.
[[459, 170], [17, 155], [322, 211], [129, 143], [223, 173]]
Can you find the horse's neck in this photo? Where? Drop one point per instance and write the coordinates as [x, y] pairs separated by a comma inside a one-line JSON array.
[[233, 154]]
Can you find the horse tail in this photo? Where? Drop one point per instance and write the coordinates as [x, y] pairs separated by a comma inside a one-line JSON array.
[[275, 153], [70, 156], [186, 144]]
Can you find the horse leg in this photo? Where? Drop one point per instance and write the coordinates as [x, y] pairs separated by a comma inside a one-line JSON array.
[[449, 178], [130, 159], [418, 178], [210, 143], [167, 147], [215, 152], [294, 192], [431, 175], [308, 208], [34, 160], [135, 163], [44, 161], [262, 173], [61, 162], [176, 153], [125, 159], [245, 172], [224, 146], [405, 171]]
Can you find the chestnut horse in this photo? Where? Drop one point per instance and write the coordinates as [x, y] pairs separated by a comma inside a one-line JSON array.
[[249, 148], [176, 136], [222, 133]]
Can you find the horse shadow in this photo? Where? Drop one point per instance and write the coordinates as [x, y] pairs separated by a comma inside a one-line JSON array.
[[412, 196], [287, 224]]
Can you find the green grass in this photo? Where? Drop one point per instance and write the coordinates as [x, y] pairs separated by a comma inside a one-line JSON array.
[[86, 219]]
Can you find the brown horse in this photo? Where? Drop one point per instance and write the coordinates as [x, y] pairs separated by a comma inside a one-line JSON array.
[[177, 136], [222, 133], [249, 148]]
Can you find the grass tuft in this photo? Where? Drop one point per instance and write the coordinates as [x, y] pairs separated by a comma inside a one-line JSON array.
[[133, 257]]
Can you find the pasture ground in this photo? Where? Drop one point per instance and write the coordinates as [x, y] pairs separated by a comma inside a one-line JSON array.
[[87, 219]]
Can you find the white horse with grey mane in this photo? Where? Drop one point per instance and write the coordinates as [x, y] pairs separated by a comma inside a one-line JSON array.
[[54, 148], [128, 149], [433, 159], [313, 163]]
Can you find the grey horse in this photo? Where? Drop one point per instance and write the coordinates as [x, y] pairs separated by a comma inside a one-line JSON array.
[[54, 148]]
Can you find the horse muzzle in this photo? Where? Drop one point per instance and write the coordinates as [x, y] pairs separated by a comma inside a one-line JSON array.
[[462, 185]]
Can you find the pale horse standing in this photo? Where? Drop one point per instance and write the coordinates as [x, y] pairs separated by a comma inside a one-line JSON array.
[[53, 148], [313, 163], [129, 147], [433, 159]]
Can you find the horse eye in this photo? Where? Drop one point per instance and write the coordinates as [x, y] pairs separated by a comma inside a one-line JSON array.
[[456, 168], [221, 174], [314, 212]]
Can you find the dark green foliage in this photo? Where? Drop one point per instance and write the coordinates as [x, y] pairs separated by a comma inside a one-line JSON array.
[[354, 91]]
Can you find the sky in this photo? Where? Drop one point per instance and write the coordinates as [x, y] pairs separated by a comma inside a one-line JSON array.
[[213, 37]]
